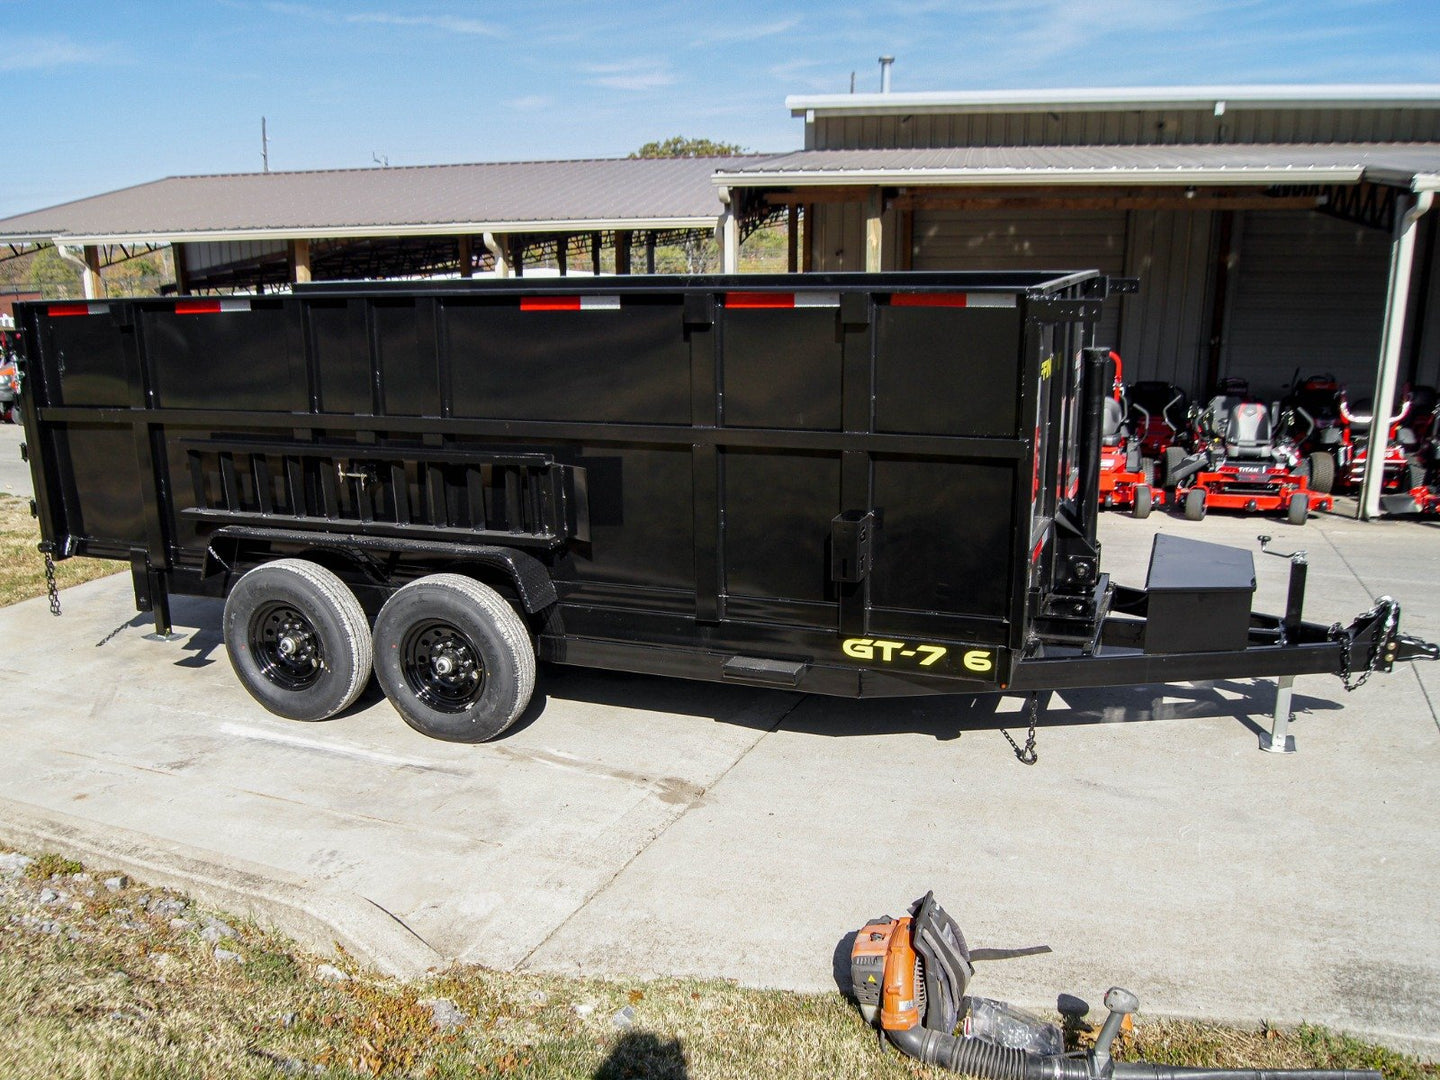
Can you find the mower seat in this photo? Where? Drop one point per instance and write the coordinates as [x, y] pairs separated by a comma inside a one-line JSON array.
[[1247, 431], [1112, 425]]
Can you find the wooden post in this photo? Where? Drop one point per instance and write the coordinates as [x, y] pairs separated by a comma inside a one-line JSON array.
[[517, 256], [650, 252], [807, 253], [90, 278], [466, 257], [562, 253], [792, 238], [595, 254], [622, 250], [182, 276], [299, 261], [874, 235]]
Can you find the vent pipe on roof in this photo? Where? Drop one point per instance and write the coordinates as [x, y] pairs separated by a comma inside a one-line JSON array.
[[886, 62]]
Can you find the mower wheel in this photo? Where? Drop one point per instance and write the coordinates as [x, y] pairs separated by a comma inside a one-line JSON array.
[[1322, 472], [1195, 504], [1298, 512], [1141, 507], [1174, 458]]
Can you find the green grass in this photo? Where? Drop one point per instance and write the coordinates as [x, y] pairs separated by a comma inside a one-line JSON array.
[[22, 568], [115, 991]]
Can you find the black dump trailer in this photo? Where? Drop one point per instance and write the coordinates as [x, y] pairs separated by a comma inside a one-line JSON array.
[[859, 485]]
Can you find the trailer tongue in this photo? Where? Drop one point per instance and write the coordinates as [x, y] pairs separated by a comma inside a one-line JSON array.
[[861, 485]]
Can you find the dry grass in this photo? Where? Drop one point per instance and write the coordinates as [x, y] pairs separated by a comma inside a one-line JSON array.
[[22, 569], [101, 983]]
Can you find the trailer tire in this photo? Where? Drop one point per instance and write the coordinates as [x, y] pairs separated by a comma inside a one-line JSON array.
[[489, 663], [1174, 458], [1322, 472], [1141, 508], [298, 639], [1297, 512], [1195, 504]]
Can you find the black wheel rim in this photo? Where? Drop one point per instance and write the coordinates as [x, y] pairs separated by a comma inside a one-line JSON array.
[[442, 666], [286, 645]]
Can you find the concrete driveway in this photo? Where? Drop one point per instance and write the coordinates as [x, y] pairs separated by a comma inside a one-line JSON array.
[[14, 473], [657, 827]]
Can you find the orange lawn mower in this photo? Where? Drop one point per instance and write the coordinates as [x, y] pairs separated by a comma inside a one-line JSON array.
[[1239, 463], [1126, 477]]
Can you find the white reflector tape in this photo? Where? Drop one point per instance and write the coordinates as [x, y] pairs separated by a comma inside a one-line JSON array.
[[817, 299], [989, 299], [599, 303], [234, 305]]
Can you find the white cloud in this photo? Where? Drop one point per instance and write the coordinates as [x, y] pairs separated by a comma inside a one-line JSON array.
[[40, 53], [735, 34], [453, 23], [636, 76]]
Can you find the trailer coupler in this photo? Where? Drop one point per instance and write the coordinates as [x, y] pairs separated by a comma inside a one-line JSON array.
[[1373, 638]]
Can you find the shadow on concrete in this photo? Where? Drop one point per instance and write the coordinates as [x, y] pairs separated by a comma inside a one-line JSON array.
[[943, 718], [640, 1054]]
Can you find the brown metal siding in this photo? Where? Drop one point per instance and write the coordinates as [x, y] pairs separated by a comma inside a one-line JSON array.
[[1025, 240], [1165, 326], [1309, 294], [1131, 127]]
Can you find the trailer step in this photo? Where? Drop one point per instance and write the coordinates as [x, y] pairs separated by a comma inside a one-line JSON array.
[[760, 670]]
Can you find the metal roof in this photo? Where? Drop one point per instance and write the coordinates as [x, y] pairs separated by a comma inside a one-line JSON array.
[[501, 197], [1414, 165], [1338, 96]]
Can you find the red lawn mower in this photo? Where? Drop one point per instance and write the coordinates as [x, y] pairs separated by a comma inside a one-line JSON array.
[[1405, 466], [1126, 478], [1239, 463]]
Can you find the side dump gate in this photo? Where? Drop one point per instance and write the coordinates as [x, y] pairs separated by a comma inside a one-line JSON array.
[[842, 482]]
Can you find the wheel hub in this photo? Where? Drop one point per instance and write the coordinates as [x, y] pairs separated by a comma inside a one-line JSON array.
[[442, 666], [286, 645]]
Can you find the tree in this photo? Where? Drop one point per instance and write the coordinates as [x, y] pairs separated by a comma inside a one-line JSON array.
[[54, 276], [680, 146]]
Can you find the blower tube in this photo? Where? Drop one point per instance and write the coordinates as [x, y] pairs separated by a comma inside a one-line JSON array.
[[976, 1057]]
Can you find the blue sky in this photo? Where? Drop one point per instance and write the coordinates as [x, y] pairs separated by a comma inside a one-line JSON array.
[[101, 95]]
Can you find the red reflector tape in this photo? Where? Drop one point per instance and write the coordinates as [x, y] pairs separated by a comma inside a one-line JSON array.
[[57, 310], [570, 303], [952, 300], [210, 307], [550, 303], [760, 300], [927, 300]]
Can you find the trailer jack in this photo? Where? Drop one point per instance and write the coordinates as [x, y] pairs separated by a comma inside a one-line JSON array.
[[909, 977]]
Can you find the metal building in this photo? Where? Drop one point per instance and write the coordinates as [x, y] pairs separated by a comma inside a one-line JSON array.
[[1273, 229], [249, 230]]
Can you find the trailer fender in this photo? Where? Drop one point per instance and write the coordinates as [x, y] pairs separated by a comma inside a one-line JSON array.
[[527, 573]]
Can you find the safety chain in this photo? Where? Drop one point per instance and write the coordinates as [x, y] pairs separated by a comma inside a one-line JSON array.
[[50, 588], [1027, 756], [1377, 645]]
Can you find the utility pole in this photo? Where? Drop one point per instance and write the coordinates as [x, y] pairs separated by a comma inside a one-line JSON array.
[[264, 145]]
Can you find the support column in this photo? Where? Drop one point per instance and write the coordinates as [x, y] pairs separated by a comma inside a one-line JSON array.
[[90, 276], [467, 257], [729, 235], [562, 253], [650, 252], [623, 240], [501, 252], [517, 256], [299, 261], [874, 233], [595, 254], [792, 237], [182, 276], [1397, 298]]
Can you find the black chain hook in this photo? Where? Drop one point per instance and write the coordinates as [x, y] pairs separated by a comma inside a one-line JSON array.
[[1027, 756], [50, 588]]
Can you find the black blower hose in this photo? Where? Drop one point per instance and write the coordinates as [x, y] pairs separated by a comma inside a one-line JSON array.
[[976, 1057]]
